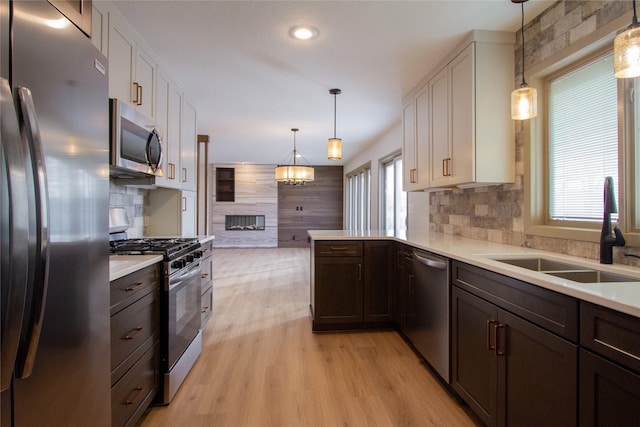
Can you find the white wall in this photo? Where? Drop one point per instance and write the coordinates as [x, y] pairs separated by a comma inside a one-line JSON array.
[[390, 142]]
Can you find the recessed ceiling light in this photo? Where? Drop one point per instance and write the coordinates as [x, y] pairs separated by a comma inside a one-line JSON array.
[[303, 32]]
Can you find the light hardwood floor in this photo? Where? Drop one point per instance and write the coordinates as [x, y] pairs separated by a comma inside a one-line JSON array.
[[262, 366]]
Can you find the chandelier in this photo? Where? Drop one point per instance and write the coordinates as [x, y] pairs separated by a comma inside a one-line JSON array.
[[294, 174]]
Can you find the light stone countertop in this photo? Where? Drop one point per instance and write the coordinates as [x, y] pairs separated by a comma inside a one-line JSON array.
[[121, 265], [620, 296]]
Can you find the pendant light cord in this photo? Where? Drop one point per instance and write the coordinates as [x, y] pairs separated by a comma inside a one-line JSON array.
[[334, 114], [524, 83], [635, 16], [295, 152]]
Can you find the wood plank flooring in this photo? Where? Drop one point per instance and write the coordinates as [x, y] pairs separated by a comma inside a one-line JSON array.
[[262, 366]]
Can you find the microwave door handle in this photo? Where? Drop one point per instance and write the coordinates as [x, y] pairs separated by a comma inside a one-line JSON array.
[[15, 229], [154, 164], [37, 291]]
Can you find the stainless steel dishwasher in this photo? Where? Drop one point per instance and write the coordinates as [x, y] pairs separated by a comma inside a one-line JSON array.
[[431, 310]]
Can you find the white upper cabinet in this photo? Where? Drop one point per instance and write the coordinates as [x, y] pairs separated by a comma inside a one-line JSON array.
[[188, 144], [415, 138], [132, 72], [470, 138]]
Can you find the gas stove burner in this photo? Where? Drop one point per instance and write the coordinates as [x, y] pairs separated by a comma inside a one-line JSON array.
[[169, 247]]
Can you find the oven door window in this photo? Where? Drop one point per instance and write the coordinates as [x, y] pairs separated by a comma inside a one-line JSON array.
[[184, 310]]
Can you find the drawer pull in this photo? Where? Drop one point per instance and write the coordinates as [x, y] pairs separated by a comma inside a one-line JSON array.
[[205, 309], [133, 396], [205, 275], [133, 333], [496, 350], [490, 346], [133, 287], [339, 248]]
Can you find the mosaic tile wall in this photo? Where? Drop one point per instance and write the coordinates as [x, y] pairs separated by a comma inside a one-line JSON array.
[[136, 202], [496, 213]]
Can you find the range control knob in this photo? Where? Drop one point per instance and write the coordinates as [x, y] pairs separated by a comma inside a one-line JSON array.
[[179, 263], [189, 258], [197, 254]]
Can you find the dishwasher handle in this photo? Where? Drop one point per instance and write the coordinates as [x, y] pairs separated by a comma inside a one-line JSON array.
[[429, 262]]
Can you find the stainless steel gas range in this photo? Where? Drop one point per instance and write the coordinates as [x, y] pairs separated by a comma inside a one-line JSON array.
[[180, 327]]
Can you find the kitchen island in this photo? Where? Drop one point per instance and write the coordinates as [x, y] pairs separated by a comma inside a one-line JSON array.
[[527, 344]]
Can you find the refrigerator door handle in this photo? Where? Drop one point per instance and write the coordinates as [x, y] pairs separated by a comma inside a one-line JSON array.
[[37, 292], [15, 246]]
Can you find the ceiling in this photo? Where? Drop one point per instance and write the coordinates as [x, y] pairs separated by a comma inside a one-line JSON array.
[[251, 82]]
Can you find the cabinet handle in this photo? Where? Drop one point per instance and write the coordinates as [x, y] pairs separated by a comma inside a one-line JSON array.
[[136, 93], [496, 350], [204, 276], [133, 333], [135, 393], [184, 204], [448, 163], [133, 287], [339, 248], [184, 174], [412, 176], [204, 310], [490, 347], [172, 171], [139, 95], [359, 271], [444, 161]]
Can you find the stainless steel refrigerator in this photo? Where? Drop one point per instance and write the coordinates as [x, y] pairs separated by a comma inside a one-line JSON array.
[[54, 189]]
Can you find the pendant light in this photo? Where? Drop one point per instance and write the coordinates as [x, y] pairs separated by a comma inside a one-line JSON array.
[[294, 174], [524, 100], [334, 149], [626, 50]]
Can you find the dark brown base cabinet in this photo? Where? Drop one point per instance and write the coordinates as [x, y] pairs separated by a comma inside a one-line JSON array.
[[403, 307], [351, 284], [510, 371], [135, 361], [609, 367]]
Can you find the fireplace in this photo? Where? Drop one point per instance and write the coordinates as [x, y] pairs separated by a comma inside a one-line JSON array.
[[244, 222]]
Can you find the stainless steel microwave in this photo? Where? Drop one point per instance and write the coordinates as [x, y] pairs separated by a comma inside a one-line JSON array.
[[135, 142]]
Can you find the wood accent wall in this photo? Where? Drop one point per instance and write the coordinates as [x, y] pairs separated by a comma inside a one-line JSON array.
[[319, 207]]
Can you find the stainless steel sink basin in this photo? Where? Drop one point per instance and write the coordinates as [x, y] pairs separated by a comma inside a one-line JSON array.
[[564, 270], [541, 264], [593, 276]]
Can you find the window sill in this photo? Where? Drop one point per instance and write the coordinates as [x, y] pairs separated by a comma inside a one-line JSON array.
[[579, 234]]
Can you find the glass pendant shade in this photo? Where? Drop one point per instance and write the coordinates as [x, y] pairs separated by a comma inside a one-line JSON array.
[[334, 151], [626, 53], [524, 103]]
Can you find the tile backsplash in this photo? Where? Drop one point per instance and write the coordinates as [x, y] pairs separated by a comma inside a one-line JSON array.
[[136, 202]]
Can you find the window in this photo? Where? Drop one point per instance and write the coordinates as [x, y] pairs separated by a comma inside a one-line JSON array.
[[393, 211], [582, 140], [358, 198]]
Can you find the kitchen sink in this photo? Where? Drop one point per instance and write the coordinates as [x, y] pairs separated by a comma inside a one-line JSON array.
[[541, 264], [564, 270], [593, 276]]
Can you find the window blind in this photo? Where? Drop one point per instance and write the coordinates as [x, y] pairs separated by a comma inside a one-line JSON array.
[[583, 140]]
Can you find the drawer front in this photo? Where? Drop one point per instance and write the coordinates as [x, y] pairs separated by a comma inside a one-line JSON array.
[[207, 305], [129, 288], [207, 270], [613, 334], [555, 312], [131, 396], [133, 326], [338, 248]]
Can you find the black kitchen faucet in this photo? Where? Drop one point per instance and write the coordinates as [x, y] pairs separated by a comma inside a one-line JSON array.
[[607, 241]]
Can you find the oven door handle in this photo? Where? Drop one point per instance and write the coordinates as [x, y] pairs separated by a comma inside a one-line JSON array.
[[173, 283]]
